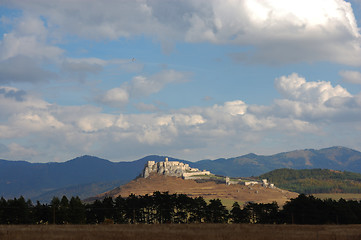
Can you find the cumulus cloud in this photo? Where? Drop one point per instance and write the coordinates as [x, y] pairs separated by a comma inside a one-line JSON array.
[[29, 38], [141, 86], [115, 97], [306, 109], [28, 53], [351, 76], [313, 102], [145, 86], [294, 87], [92, 123], [278, 31], [25, 49], [14, 101]]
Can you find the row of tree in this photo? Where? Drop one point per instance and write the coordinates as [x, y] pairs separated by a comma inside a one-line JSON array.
[[177, 208]]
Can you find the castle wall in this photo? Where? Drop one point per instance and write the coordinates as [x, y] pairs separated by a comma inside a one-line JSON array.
[[187, 175], [173, 168]]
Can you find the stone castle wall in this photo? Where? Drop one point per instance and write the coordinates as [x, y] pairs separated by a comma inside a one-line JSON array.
[[173, 168]]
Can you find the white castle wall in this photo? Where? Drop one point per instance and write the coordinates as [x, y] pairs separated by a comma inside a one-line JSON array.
[[188, 175], [173, 168]]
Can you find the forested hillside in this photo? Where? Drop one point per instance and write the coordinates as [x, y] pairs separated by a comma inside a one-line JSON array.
[[315, 180]]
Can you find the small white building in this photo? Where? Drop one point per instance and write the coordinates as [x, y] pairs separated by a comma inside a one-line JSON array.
[[250, 183]]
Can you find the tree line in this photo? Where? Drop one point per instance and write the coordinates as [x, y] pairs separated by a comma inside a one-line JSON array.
[[160, 208]]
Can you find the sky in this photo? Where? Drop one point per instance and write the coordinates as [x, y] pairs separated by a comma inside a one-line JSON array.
[[190, 79]]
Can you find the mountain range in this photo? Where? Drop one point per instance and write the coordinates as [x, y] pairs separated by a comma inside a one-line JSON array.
[[88, 176]]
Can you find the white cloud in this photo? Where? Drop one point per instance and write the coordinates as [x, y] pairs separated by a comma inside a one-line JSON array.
[[279, 30], [144, 86], [28, 53], [313, 102], [93, 123], [307, 109], [294, 87], [25, 50], [141, 86], [351, 76], [34, 122], [29, 38], [115, 97], [283, 31], [14, 101], [235, 108]]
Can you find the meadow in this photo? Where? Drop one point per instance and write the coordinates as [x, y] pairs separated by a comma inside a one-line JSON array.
[[180, 232]]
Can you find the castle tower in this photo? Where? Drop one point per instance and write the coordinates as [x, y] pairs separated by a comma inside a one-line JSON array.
[[166, 160]]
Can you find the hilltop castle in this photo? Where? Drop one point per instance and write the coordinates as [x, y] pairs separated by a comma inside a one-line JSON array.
[[183, 170], [173, 168]]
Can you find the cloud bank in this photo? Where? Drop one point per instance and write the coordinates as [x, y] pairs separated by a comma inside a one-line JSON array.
[[274, 31], [306, 109]]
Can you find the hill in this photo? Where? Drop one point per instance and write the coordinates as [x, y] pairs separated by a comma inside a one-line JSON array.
[[208, 190], [310, 181]]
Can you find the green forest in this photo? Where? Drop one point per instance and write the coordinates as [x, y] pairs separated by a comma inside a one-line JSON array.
[[161, 208], [310, 181]]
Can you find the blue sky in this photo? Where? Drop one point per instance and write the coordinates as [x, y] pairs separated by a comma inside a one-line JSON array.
[[189, 79]]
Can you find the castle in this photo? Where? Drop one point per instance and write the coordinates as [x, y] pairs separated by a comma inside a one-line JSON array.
[[173, 168], [183, 170]]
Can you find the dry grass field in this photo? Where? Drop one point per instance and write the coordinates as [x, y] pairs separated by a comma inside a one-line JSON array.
[[208, 190], [181, 232]]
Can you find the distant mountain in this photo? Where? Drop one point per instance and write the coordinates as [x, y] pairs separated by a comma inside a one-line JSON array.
[[87, 175], [337, 158], [78, 176], [311, 181], [83, 190]]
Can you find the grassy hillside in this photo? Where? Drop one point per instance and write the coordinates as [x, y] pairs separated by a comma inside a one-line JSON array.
[[207, 190], [310, 181]]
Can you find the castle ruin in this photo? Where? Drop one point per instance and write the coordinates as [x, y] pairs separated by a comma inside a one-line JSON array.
[[173, 168], [183, 170]]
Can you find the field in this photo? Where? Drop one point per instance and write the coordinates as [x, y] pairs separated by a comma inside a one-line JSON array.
[[181, 232], [337, 196]]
